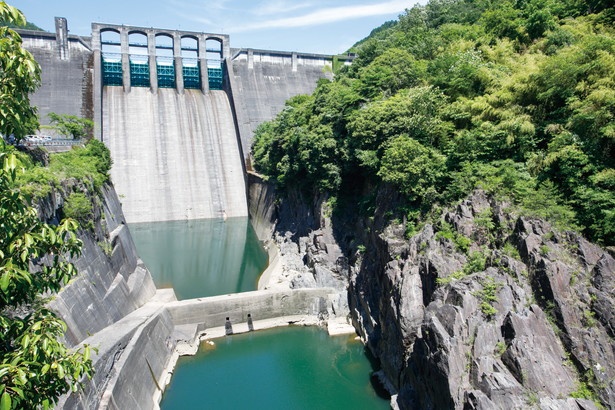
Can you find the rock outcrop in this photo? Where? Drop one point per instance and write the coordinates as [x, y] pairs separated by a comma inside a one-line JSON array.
[[483, 309], [520, 318], [112, 280]]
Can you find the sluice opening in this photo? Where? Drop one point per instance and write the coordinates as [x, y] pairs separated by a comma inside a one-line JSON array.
[[190, 63], [139, 61], [214, 63], [111, 58], [165, 64]]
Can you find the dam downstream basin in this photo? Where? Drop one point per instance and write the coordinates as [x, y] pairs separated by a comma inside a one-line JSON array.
[[291, 367], [204, 257], [282, 368]]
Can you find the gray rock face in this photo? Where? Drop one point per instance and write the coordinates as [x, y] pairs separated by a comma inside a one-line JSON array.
[[483, 309], [524, 331], [530, 328], [112, 280], [306, 243]]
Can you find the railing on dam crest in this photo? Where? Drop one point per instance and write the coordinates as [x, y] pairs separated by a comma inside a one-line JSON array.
[[146, 57]]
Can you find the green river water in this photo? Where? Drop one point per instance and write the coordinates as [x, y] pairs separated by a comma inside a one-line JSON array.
[[198, 258], [284, 368]]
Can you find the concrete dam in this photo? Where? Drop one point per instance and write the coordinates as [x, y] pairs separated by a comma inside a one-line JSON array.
[[168, 124], [178, 111], [174, 157]]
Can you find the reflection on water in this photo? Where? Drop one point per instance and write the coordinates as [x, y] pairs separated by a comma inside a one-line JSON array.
[[284, 368], [287, 368], [201, 257]]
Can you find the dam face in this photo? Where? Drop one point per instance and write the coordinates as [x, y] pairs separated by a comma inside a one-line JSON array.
[[175, 156]]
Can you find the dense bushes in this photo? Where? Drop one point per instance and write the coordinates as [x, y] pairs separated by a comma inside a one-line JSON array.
[[89, 164], [516, 97]]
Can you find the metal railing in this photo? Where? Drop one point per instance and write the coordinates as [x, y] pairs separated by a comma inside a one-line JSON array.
[[52, 143]]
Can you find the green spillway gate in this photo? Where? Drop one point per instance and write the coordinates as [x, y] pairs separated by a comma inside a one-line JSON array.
[[192, 74], [112, 70], [215, 77], [166, 75], [139, 74], [165, 71]]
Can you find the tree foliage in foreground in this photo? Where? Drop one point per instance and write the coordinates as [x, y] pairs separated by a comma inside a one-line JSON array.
[[19, 76], [35, 366], [516, 97]]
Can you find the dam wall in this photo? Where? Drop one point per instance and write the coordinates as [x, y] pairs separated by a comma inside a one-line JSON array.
[[66, 71], [262, 80], [112, 281], [175, 156]]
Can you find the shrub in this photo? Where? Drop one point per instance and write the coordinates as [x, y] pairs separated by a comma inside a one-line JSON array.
[[78, 206]]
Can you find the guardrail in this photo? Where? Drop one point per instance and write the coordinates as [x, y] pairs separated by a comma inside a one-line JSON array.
[[52, 143]]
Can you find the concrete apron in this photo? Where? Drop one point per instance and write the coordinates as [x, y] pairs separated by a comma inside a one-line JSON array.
[[138, 354]]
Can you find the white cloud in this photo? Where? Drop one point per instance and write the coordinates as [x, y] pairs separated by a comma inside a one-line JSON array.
[[271, 7], [329, 15]]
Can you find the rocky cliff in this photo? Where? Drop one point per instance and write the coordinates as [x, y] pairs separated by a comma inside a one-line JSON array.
[[481, 309], [112, 280]]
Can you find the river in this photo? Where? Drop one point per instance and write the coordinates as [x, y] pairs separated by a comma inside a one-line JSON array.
[[284, 368]]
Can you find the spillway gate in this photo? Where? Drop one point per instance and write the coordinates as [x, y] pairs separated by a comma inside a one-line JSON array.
[[130, 56]]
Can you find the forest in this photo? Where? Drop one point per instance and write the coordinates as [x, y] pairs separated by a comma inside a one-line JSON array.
[[516, 97]]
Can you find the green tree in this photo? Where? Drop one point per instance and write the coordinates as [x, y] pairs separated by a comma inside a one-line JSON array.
[[415, 112], [391, 71], [35, 367], [71, 125], [416, 169], [19, 76]]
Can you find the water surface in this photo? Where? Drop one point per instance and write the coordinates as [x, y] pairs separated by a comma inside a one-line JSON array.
[[284, 368], [198, 258]]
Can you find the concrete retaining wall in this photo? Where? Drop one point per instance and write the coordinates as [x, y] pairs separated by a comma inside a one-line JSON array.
[[140, 370], [112, 282], [213, 311]]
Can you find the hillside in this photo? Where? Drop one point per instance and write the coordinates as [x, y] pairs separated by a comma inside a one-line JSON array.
[[451, 177], [517, 98]]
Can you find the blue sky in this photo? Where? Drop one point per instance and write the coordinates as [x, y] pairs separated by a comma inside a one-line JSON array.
[[317, 26]]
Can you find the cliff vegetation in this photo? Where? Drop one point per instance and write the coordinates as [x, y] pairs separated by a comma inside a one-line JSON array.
[[514, 97], [451, 176]]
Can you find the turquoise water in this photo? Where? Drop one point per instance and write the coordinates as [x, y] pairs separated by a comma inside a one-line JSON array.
[[200, 258], [283, 368], [286, 368]]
